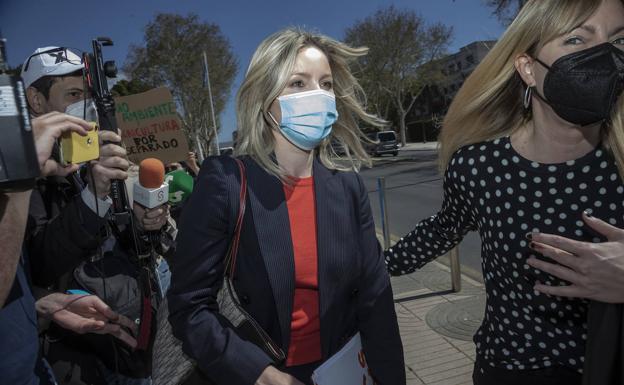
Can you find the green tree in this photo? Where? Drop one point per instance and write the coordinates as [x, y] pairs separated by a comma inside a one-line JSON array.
[[171, 56], [401, 61], [129, 87], [15, 71]]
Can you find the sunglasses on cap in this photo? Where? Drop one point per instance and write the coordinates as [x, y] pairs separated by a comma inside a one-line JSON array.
[[60, 54]]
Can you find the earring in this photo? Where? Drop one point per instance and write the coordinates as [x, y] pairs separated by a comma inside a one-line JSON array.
[[528, 93]]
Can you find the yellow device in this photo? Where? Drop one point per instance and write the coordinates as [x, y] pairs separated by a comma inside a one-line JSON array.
[[75, 148]]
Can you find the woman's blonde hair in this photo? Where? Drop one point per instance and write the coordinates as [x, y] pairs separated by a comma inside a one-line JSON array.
[[268, 74], [490, 103]]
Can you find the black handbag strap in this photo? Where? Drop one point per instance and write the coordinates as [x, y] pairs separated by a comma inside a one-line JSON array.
[[230, 258]]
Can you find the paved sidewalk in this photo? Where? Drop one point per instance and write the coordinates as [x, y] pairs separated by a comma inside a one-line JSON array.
[[419, 146], [437, 325]]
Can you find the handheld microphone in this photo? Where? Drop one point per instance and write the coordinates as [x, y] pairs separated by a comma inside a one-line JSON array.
[[180, 186], [150, 190]]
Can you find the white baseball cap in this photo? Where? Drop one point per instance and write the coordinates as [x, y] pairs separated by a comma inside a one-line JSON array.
[[50, 61]]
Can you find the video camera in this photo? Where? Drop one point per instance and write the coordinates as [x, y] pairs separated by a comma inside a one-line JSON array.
[[19, 166]]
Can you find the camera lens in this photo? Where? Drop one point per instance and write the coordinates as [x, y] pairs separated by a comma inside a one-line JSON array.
[[110, 69]]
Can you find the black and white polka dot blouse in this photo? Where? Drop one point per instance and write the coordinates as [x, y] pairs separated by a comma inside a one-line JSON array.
[[491, 188]]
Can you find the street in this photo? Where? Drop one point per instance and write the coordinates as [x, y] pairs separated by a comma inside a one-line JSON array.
[[414, 192]]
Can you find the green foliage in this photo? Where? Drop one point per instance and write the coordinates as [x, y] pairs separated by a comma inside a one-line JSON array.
[[171, 56], [15, 71], [401, 62], [131, 87]]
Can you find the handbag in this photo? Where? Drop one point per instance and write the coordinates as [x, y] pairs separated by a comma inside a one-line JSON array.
[[170, 365], [118, 282]]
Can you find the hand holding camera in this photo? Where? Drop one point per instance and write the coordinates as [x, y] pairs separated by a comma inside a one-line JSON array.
[[47, 129], [112, 164]]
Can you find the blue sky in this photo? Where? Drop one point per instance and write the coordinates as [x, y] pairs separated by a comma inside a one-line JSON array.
[[28, 24]]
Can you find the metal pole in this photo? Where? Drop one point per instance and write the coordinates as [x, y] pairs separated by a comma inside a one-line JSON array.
[[455, 269], [385, 225], [215, 140]]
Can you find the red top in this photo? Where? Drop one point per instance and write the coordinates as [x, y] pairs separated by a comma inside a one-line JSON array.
[[305, 327]]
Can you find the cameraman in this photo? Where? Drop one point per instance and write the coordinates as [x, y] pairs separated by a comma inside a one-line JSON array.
[[70, 234], [21, 361]]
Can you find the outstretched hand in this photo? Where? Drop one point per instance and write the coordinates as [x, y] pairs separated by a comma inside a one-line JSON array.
[[86, 314]]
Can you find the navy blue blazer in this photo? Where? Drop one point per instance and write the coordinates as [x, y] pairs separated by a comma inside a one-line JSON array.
[[354, 287]]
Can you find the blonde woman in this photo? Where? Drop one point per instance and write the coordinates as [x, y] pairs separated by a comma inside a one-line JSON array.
[[309, 267], [528, 146]]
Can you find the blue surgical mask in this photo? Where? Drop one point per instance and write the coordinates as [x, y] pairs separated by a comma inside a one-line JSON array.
[[307, 117]]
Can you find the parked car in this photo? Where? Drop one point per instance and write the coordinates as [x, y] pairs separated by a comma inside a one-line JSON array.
[[386, 143]]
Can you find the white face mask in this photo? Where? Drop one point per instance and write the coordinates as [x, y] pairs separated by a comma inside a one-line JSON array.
[[83, 109]]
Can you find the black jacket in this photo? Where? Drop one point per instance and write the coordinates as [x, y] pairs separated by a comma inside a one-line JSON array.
[[62, 230], [354, 287], [604, 357]]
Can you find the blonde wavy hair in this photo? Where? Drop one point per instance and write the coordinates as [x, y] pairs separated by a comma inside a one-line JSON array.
[[489, 104], [269, 71]]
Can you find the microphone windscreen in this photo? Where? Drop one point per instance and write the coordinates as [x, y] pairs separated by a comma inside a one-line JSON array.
[[180, 186], [151, 173]]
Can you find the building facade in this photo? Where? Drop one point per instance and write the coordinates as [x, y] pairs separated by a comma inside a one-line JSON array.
[[428, 111]]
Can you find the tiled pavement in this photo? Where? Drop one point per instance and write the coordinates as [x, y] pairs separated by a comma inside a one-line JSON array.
[[437, 325]]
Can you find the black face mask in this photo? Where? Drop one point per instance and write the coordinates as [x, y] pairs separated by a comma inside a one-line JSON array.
[[583, 86]]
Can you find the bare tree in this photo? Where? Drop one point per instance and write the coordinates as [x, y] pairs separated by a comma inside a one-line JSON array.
[[401, 60], [506, 10]]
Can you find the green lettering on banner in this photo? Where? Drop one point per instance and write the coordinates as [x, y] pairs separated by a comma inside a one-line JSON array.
[[150, 112]]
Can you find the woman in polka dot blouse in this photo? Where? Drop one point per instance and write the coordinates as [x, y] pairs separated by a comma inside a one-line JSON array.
[[532, 140]]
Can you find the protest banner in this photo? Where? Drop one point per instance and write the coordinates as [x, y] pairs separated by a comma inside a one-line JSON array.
[[150, 126]]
